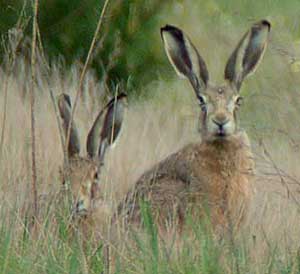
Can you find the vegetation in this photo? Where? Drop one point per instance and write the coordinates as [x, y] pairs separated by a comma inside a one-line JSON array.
[[67, 29], [162, 117]]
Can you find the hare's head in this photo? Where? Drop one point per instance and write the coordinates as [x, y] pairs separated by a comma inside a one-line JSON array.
[[219, 104], [83, 173]]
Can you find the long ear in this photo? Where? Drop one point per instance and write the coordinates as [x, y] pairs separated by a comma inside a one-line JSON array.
[[184, 57], [248, 53], [111, 117], [64, 106]]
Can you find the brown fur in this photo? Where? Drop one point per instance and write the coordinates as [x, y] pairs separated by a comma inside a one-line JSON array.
[[82, 174], [82, 177], [212, 177], [215, 175]]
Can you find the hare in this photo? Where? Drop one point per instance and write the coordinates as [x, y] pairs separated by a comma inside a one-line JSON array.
[[210, 178], [83, 173]]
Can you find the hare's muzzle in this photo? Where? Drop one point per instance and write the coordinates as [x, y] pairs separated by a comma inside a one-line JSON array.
[[80, 209], [221, 127]]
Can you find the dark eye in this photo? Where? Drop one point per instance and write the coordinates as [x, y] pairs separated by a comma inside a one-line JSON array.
[[65, 184], [96, 176], [239, 101], [202, 103]]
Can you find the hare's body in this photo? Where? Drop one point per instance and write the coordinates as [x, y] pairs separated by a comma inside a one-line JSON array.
[[212, 177]]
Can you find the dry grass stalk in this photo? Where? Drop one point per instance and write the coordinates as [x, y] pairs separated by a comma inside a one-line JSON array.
[[279, 174], [83, 73], [87, 62], [32, 110]]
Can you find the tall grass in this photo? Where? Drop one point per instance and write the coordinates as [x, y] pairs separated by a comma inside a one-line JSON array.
[[159, 123]]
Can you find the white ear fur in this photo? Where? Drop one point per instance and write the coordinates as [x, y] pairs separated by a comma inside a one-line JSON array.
[[249, 52], [172, 50], [64, 106], [184, 57], [106, 127]]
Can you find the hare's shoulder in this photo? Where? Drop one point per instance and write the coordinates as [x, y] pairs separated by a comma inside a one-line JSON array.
[[176, 166]]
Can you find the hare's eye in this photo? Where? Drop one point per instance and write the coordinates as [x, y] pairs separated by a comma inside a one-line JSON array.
[[201, 99], [66, 184], [96, 176], [239, 101], [202, 103]]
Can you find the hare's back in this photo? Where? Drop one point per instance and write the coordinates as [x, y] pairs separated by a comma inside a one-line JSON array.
[[165, 187]]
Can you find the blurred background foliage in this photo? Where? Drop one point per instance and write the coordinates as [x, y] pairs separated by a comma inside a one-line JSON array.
[[129, 48], [67, 28]]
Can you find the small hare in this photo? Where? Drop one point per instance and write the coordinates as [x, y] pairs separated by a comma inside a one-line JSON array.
[[211, 178], [84, 172]]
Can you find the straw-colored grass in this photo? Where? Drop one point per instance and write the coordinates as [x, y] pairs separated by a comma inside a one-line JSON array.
[[153, 128]]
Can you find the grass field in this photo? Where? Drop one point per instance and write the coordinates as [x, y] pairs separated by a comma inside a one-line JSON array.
[[159, 122]]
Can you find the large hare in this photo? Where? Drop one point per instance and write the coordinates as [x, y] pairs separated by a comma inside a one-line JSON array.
[[83, 173], [212, 177]]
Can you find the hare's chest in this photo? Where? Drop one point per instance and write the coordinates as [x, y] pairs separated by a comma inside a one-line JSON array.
[[217, 180]]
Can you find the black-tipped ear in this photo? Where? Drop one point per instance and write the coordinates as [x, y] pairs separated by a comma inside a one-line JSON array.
[[64, 106], [184, 57], [106, 127], [249, 52]]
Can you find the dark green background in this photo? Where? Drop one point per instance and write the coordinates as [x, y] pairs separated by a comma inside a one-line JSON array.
[[67, 28]]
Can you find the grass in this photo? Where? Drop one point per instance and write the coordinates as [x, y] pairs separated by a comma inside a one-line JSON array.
[[157, 124]]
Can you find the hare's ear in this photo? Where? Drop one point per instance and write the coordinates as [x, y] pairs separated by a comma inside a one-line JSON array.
[[106, 127], [248, 53], [64, 106], [184, 57]]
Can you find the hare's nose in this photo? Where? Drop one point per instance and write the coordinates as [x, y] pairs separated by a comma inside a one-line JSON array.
[[220, 121]]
